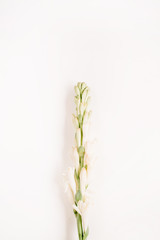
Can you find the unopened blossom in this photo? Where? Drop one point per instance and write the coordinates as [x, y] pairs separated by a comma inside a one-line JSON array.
[[75, 121], [75, 157], [78, 137]]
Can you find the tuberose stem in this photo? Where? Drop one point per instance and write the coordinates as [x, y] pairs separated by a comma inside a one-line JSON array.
[[79, 226]]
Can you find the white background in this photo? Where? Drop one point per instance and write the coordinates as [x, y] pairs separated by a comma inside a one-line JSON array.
[[46, 47]]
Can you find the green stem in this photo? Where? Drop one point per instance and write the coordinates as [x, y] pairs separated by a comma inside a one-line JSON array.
[[79, 226], [81, 162]]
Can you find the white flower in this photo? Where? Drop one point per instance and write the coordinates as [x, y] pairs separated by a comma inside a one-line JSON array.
[[83, 180], [78, 137], [82, 208], [75, 157]]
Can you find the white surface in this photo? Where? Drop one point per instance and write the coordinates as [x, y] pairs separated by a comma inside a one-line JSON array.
[[45, 48]]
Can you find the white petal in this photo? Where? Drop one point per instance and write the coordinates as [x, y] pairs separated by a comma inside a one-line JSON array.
[[78, 137], [82, 206], [75, 157]]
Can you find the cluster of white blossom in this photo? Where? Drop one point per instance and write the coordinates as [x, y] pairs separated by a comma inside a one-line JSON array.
[[78, 177]]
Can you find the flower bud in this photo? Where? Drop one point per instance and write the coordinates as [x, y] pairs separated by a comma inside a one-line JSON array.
[[83, 85], [79, 85], [78, 196], [84, 95], [76, 90], [75, 121], [75, 156], [82, 108], [80, 118], [77, 100], [88, 103], [78, 137], [87, 117], [81, 151]]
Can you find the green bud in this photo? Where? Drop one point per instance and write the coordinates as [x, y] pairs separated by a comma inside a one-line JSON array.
[[88, 102], [84, 95], [75, 121], [89, 114], [81, 151], [78, 196], [79, 118], [76, 90], [85, 166], [85, 117], [78, 137], [88, 89], [83, 85], [86, 187], [75, 212], [75, 174], [77, 100], [79, 85]]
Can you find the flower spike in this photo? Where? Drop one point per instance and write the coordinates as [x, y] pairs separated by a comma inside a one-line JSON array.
[[77, 177]]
